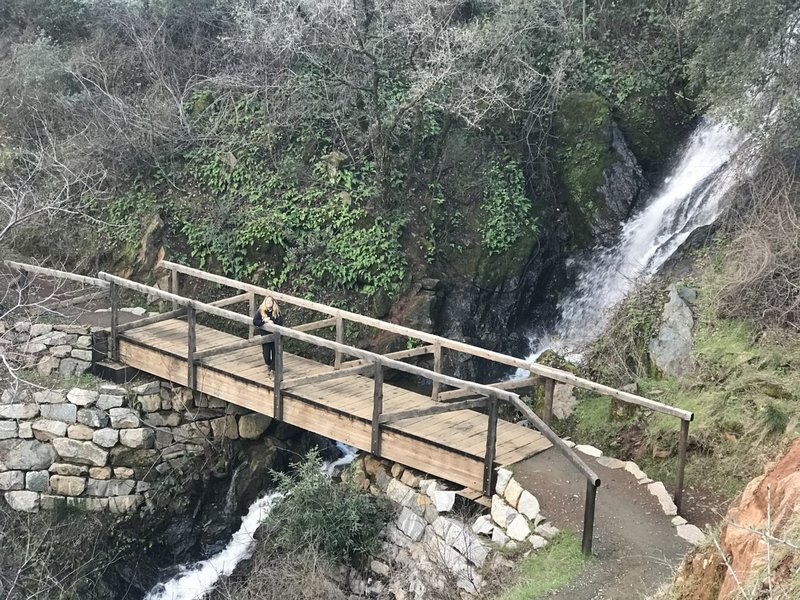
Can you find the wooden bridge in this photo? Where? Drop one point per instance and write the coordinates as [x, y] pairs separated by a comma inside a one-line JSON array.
[[454, 434]]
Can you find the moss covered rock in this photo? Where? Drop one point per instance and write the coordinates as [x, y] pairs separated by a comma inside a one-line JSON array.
[[601, 177]]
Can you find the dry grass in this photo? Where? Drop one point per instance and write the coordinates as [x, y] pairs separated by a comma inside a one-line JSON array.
[[762, 265]]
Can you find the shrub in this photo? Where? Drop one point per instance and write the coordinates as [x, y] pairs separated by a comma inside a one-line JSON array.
[[337, 517]]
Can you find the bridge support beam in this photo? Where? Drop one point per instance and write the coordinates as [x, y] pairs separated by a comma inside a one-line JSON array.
[[588, 518], [547, 410], [113, 340], [682, 445], [278, 377], [491, 448], [377, 410], [191, 318], [437, 368]]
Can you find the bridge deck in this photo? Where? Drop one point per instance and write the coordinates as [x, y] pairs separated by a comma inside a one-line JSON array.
[[450, 445]]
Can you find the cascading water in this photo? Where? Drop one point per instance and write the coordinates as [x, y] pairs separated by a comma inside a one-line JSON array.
[[689, 198], [197, 580]]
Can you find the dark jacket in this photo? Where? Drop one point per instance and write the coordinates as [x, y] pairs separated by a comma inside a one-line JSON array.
[[258, 321]]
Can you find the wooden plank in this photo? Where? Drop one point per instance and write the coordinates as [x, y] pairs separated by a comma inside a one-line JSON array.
[[432, 410], [36, 270], [322, 377], [400, 354], [511, 384]]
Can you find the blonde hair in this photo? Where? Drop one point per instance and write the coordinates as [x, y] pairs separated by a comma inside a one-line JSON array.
[[276, 311]]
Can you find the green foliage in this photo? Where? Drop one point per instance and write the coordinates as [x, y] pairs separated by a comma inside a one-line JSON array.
[[339, 518], [775, 418], [741, 47], [506, 211], [543, 572]]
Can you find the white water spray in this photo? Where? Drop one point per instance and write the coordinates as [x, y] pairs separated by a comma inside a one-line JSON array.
[[689, 198], [196, 581]]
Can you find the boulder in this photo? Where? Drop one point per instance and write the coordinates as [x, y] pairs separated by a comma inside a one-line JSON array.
[[518, 528], [50, 396], [137, 438], [85, 355], [65, 485], [109, 401], [124, 418], [68, 469], [253, 425], [81, 452], [25, 431], [19, 411], [100, 472], [26, 455], [46, 430], [503, 477], [150, 402], [12, 480], [8, 429], [513, 492], [671, 349], [224, 427], [106, 438], [411, 524], [93, 417], [80, 397], [24, 500], [64, 412], [528, 505], [80, 432]]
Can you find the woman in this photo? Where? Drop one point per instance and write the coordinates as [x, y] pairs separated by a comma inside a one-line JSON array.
[[269, 313]]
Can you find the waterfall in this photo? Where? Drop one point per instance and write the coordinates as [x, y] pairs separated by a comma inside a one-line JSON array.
[[689, 198], [193, 582]]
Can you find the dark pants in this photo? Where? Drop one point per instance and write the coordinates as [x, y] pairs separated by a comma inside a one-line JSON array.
[[268, 352]]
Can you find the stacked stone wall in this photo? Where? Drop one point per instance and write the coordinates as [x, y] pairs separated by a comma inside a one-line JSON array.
[[430, 545], [99, 446]]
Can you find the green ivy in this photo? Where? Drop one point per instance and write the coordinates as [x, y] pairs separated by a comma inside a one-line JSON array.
[[506, 210]]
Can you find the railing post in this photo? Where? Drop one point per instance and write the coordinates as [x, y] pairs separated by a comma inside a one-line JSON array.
[[588, 518], [175, 287], [277, 364], [491, 448], [191, 320], [377, 410], [437, 368], [337, 357], [682, 445], [252, 312], [547, 410], [113, 347]]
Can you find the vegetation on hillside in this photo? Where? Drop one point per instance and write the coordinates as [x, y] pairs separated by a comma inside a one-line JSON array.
[[322, 147]]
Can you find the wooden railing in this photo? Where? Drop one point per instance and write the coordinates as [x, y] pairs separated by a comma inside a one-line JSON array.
[[489, 396], [540, 374]]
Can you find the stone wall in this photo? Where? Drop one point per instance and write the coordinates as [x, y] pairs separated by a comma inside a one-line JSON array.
[[429, 546], [99, 446]]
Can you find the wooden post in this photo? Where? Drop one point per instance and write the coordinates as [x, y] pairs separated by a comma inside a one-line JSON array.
[[377, 410], [337, 357], [547, 410], [437, 368], [277, 381], [113, 347], [252, 308], [175, 287], [682, 445], [191, 319], [588, 518], [491, 447]]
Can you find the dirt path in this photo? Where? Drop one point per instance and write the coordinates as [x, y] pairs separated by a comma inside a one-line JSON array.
[[635, 546]]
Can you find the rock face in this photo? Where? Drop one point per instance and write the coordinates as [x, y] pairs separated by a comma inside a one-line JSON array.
[[671, 350], [623, 183], [704, 575]]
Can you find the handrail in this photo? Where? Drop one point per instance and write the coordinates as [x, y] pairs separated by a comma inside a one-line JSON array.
[[56, 273]]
